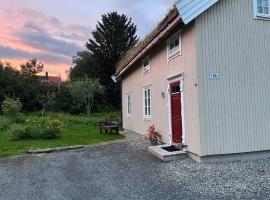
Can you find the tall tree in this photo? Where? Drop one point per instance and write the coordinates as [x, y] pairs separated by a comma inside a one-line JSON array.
[[113, 36]]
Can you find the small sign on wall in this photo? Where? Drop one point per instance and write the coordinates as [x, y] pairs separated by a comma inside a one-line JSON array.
[[214, 75]]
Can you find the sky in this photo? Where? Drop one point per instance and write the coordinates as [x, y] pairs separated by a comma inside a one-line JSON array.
[[54, 30]]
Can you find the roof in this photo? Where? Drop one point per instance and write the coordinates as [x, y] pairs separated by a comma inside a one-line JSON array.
[[133, 52], [184, 11], [190, 9], [50, 79]]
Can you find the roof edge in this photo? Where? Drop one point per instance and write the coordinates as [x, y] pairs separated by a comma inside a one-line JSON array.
[[163, 33]]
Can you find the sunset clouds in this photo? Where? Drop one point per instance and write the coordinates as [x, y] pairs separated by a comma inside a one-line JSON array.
[[54, 31]]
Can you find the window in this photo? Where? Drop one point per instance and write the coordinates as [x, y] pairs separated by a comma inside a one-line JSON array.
[[129, 104], [146, 65], [261, 8], [147, 102], [174, 46]]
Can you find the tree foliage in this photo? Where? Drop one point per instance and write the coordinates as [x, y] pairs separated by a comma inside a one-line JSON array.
[[46, 100], [84, 92], [11, 107], [22, 84], [112, 37], [31, 68], [84, 65]]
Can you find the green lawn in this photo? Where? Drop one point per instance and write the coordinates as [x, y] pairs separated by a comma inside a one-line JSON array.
[[77, 130]]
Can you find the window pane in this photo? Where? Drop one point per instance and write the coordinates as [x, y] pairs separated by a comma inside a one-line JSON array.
[[265, 10], [263, 6], [149, 110], [149, 102], [176, 43], [171, 46], [260, 10], [149, 94], [145, 111], [145, 102], [146, 63]]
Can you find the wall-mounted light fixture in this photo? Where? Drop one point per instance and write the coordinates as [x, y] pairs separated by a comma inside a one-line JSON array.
[[163, 94]]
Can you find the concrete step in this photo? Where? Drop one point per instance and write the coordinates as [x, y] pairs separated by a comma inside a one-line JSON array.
[[166, 155]]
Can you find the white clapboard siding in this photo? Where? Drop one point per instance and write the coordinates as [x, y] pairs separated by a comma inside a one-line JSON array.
[[234, 110]]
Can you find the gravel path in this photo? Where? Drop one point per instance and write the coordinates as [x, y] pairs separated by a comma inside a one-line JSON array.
[[125, 170]]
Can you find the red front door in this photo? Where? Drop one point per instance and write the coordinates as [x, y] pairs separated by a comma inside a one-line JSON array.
[[176, 112]]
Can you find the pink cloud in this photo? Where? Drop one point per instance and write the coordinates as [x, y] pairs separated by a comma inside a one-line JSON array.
[[27, 33]]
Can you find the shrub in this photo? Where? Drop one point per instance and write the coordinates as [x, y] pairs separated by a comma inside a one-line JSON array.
[[39, 128], [4, 123], [18, 132], [54, 128], [11, 108]]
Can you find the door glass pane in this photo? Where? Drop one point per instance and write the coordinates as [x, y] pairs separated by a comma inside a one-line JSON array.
[[172, 90], [177, 88]]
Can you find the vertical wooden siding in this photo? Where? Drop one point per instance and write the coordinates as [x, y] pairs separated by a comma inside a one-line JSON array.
[[235, 110], [161, 69]]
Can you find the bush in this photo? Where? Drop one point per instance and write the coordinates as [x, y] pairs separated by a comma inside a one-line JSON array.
[[18, 132], [39, 128], [11, 108], [4, 123]]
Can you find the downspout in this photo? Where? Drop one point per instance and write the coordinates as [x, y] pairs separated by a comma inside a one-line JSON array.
[[121, 104], [115, 80]]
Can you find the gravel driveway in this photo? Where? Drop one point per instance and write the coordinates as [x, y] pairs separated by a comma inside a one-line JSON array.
[[124, 170]]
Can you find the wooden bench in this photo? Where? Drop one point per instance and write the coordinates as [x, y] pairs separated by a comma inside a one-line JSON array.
[[109, 126]]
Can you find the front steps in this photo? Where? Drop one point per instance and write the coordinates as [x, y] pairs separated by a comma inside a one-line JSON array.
[[167, 156]]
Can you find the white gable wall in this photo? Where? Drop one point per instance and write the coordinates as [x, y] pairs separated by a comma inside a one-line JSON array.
[[234, 110]]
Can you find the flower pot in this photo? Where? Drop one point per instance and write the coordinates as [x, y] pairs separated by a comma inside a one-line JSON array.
[[153, 142]]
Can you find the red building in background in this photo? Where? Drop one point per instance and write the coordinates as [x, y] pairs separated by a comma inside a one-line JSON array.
[[49, 79]]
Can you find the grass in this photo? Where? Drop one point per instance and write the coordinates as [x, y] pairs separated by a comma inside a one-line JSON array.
[[78, 130]]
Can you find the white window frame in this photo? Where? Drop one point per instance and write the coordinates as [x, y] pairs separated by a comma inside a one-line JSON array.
[[146, 69], [129, 104], [177, 52], [148, 106], [258, 15]]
